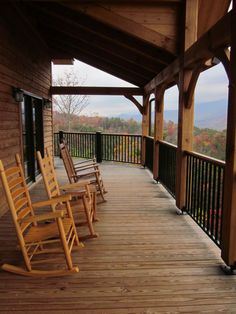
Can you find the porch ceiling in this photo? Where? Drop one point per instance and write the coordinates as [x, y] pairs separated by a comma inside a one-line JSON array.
[[131, 40]]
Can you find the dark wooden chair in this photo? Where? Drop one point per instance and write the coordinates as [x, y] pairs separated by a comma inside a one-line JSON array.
[[39, 234]]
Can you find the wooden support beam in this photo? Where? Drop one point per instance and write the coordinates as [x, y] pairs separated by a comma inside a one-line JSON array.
[[145, 126], [186, 110], [64, 61], [126, 25], [218, 37], [158, 128], [134, 101], [224, 56], [228, 242], [90, 90]]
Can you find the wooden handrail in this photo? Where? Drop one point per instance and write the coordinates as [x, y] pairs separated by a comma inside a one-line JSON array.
[[207, 158], [167, 144]]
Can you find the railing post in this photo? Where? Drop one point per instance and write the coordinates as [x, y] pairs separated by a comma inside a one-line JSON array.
[[61, 136], [145, 127], [98, 147], [186, 109], [158, 129], [185, 139], [228, 246]]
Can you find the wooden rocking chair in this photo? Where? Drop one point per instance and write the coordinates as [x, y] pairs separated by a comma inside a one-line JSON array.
[[35, 237], [76, 172], [81, 164], [83, 198]]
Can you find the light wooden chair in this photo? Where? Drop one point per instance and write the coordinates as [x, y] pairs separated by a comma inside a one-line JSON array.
[[83, 199], [35, 237], [76, 172]]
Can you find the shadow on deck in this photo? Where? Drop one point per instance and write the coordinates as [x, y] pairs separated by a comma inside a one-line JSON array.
[[146, 260]]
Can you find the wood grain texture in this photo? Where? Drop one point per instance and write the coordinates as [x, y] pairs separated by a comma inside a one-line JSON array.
[[23, 64], [146, 260]]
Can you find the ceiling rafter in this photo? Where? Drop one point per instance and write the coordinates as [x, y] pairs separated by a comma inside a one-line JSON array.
[[103, 45], [111, 35], [96, 62], [126, 25], [82, 48]]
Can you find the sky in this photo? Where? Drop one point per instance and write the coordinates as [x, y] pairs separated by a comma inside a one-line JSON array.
[[212, 86]]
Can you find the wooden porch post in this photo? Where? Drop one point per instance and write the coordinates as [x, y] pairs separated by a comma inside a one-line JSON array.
[[228, 242], [145, 125], [158, 130], [186, 110]]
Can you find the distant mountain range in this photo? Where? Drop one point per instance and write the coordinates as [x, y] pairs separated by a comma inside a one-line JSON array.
[[212, 115]]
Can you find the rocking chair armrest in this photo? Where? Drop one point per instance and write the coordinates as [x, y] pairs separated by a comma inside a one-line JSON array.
[[86, 167], [75, 185], [90, 170], [88, 173], [90, 161], [41, 217], [76, 192], [53, 201]]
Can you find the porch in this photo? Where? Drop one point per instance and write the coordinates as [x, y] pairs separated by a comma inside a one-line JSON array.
[[146, 260]]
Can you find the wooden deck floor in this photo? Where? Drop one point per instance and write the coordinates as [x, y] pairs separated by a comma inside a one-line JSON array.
[[146, 260]]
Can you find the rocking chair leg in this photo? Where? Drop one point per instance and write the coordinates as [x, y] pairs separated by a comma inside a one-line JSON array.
[[89, 220], [100, 187], [65, 246]]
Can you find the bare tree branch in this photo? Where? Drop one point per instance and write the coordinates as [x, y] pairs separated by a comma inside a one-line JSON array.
[[70, 104]]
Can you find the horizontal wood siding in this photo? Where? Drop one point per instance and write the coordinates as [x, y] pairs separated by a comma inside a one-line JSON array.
[[25, 65]]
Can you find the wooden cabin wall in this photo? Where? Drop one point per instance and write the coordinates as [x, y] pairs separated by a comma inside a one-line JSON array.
[[23, 64]]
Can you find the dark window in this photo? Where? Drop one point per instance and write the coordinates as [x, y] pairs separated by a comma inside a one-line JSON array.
[[32, 132]]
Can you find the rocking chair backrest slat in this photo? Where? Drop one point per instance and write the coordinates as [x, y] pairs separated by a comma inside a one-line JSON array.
[[48, 173], [16, 193], [19, 202], [68, 163]]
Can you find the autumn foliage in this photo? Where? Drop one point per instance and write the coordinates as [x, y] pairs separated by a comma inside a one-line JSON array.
[[206, 141]]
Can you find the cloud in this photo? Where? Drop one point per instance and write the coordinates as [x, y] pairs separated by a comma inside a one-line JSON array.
[[94, 77], [212, 86]]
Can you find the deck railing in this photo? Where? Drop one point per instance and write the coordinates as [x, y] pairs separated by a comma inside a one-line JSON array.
[[122, 148], [111, 147], [167, 166], [149, 147], [205, 175], [204, 193], [80, 144]]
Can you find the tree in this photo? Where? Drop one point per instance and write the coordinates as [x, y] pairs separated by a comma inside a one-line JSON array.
[[70, 105]]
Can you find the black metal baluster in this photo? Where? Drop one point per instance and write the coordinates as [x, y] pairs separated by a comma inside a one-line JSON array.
[[217, 228], [202, 193]]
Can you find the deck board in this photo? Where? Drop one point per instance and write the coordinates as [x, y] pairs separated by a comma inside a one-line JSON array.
[[147, 259]]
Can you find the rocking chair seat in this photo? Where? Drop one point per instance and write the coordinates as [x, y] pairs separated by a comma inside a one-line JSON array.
[[46, 231]]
